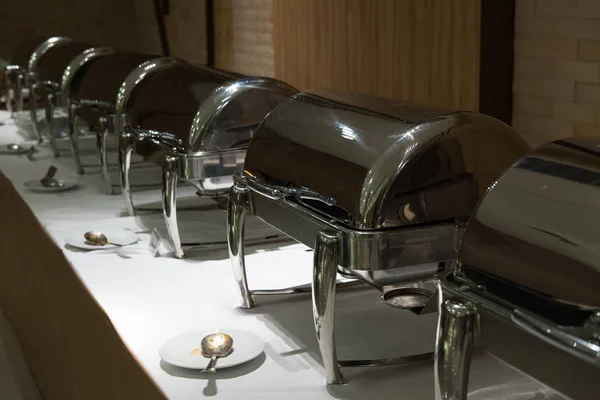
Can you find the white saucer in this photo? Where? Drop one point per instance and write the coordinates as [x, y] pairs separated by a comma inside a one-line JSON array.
[[184, 351], [23, 149], [120, 236], [36, 185]]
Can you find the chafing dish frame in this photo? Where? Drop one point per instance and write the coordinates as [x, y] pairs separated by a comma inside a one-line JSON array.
[[198, 166], [14, 89], [34, 85], [470, 316], [127, 134], [63, 98], [15, 77], [336, 249], [211, 171], [405, 256]]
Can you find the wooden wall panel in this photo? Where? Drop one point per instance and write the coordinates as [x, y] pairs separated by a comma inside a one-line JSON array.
[[223, 33], [425, 51]]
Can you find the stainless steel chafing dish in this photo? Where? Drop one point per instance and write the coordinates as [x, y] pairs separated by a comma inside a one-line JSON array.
[[89, 89], [195, 122], [15, 74], [46, 67], [379, 188], [525, 283]]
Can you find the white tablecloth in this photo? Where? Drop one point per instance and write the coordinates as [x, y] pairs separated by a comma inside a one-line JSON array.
[[150, 300]]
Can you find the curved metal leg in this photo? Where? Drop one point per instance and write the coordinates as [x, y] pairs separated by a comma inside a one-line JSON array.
[[50, 122], [457, 327], [18, 94], [125, 147], [237, 207], [73, 136], [169, 199], [101, 137], [326, 261], [10, 91], [33, 111]]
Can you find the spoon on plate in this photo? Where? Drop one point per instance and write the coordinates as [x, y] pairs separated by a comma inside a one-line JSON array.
[[48, 180], [95, 238], [14, 147], [215, 346]]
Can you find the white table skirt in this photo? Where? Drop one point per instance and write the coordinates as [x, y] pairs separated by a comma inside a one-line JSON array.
[[150, 300]]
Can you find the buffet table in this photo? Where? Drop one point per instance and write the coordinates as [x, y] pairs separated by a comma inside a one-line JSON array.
[[147, 300]]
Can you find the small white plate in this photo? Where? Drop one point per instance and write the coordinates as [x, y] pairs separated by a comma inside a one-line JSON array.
[[121, 236], [23, 149], [36, 185], [184, 351]]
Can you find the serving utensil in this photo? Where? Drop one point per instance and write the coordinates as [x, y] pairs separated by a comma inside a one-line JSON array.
[[96, 238], [215, 346], [48, 180]]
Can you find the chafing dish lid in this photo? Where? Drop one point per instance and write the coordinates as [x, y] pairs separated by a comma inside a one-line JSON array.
[[53, 63], [533, 241], [373, 163], [24, 51], [229, 118], [103, 77], [167, 100]]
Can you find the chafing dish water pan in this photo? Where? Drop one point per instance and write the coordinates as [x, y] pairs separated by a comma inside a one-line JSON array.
[[195, 122], [380, 189], [526, 283]]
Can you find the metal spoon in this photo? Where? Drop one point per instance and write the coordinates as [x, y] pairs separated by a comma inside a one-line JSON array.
[[215, 346], [49, 181], [95, 238]]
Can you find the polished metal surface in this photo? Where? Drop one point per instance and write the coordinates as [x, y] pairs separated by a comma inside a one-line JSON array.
[[169, 196], [42, 49], [536, 230], [102, 146], [395, 182], [242, 103], [388, 163], [32, 76], [237, 208], [215, 346], [496, 333], [327, 250], [529, 255], [457, 333], [71, 78], [46, 74], [15, 74], [381, 257], [74, 72], [219, 135], [193, 121], [156, 105], [96, 238], [91, 84], [13, 83]]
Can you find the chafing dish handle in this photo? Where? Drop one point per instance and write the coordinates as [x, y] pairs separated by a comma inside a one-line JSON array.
[[556, 337]]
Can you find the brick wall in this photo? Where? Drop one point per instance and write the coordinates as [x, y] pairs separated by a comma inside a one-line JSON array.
[[557, 69], [252, 37]]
